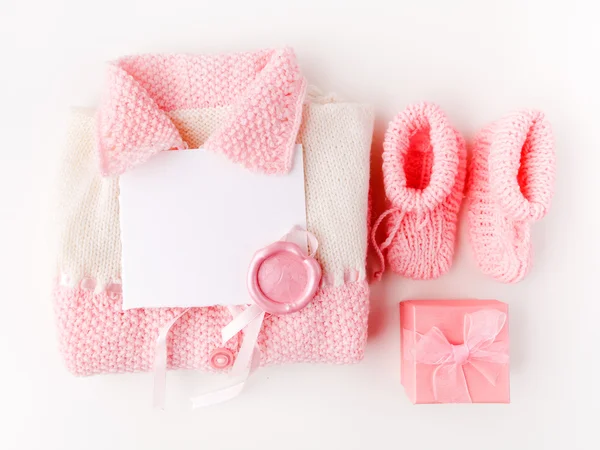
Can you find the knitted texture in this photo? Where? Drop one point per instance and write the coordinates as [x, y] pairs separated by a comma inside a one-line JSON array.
[[511, 183], [96, 336], [87, 214], [424, 167], [337, 184], [335, 137], [264, 89]]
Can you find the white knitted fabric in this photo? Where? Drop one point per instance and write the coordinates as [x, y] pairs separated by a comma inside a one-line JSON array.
[[336, 138], [88, 210]]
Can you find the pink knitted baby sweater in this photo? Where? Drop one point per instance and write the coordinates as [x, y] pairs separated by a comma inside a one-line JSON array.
[[253, 108]]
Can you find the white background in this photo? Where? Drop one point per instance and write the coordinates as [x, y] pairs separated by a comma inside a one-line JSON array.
[[478, 60]]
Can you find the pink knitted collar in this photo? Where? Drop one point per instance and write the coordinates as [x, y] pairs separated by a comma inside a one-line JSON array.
[[263, 89]]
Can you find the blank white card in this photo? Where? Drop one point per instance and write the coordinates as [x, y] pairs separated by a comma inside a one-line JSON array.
[[191, 220]]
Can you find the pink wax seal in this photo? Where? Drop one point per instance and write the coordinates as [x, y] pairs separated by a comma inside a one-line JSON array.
[[282, 279]]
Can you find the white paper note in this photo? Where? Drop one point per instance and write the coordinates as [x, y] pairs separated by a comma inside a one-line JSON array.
[[191, 220]]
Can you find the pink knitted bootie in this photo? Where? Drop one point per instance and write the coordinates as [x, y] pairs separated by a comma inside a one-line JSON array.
[[511, 182], [424, 163]]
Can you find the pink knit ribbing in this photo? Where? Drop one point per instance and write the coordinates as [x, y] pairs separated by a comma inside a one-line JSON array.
[[424, 162], [97, 336], [264, 91], [511, 183]]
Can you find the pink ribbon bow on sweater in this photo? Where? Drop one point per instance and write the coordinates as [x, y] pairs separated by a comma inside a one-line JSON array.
[[479, 347]]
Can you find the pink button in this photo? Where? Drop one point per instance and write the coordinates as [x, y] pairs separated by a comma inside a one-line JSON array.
[[221, 358]]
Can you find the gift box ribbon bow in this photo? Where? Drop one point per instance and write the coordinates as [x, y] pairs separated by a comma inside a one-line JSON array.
[[479, 348]]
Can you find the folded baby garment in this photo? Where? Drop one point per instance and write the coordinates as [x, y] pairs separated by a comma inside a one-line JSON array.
[[253, 108]]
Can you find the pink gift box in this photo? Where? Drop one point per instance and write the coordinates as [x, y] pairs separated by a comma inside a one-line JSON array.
[[455, 351]]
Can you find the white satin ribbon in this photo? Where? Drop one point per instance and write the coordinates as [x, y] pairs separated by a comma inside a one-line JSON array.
[[293, 236], [246, 361], [160, 362], [250, 320], [240, 322], [248, 357]]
